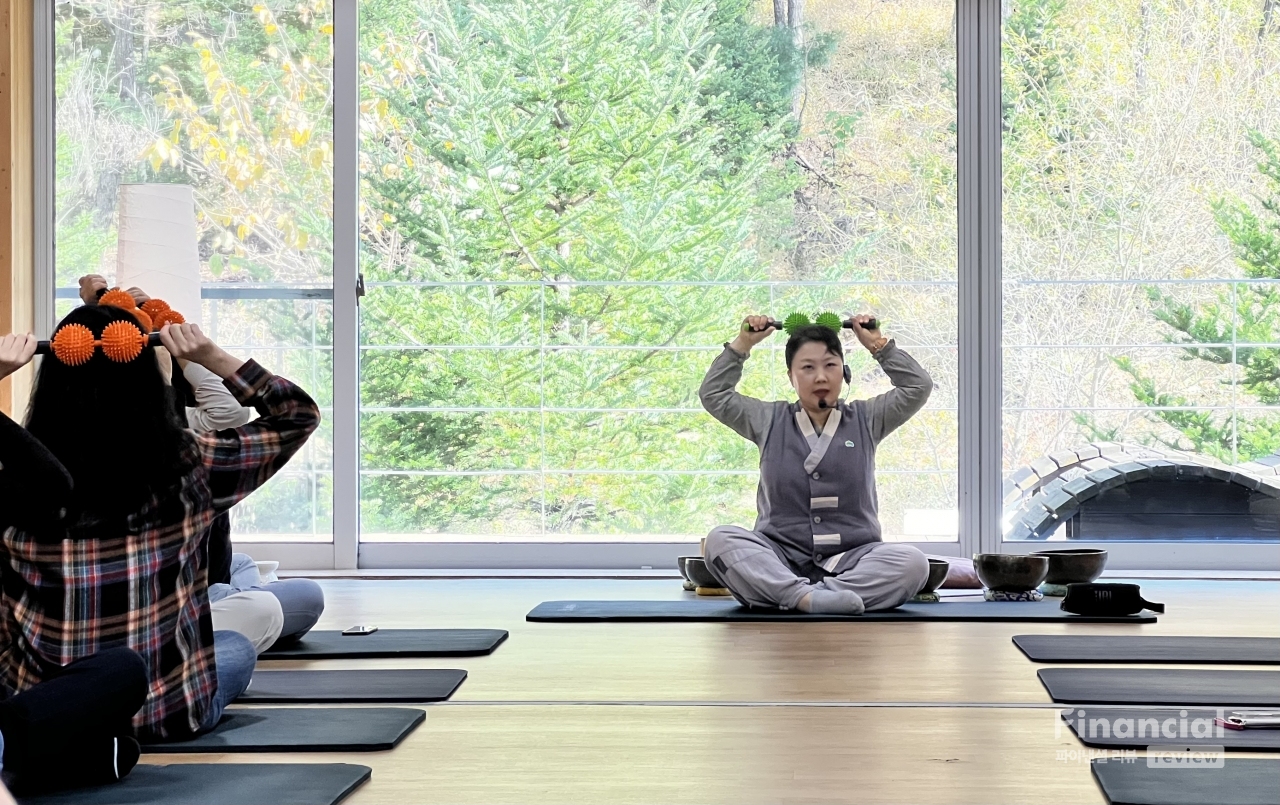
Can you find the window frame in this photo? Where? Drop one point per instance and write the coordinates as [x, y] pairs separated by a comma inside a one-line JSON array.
[[979, 222]]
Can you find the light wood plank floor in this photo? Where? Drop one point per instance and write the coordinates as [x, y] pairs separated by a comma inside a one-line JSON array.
[[735, 713]]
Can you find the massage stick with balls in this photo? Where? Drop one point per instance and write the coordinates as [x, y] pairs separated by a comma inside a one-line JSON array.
[[797, 320], [121, 341], [74, 344]]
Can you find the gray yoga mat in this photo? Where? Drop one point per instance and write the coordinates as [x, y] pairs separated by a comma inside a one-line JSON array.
[[1177, 687], [1147, 648], [1140, 731], [1241, 781], [303, 729], [390, 643], [728, 609], [220, 784], [355, 686]]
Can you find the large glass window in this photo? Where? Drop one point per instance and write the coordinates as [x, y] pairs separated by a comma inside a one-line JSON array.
[[1142, 288], [568, 207], [235, 99]]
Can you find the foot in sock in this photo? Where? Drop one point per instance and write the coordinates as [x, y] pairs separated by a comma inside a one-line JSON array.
[[92, 762], [127, 753], [831, 602]]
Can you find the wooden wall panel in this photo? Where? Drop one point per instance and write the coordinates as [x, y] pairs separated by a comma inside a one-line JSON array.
[[16, 189]]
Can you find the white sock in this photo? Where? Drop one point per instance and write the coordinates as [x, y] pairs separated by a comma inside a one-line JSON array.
[[833, 602]]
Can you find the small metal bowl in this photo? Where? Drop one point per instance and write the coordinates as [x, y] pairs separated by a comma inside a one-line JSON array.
[[938, 570], [1074, 565], [695, 569], [680, 563], [1010, 572]]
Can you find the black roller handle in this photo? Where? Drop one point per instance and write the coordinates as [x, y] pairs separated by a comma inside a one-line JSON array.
[[873, 324], [46, 347]]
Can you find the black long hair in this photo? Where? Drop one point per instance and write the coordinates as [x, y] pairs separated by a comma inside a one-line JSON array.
[[813, 333], [113, 426]]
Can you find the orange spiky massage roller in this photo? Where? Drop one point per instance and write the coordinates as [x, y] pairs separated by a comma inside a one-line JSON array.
[[74, 344], [125, 301], [168, 317], [122, 341], [154, 307], [118, 298]]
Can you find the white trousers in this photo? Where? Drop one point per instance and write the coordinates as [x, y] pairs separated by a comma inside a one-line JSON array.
[[254, 614], [884, 576]]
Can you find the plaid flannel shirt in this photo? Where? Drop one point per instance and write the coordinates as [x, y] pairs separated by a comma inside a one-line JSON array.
[[71, 590]]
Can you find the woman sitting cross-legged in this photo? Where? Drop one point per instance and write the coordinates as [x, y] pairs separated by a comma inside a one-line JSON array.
[[119, 558], [74, 727], [205, 404], [816, 544]]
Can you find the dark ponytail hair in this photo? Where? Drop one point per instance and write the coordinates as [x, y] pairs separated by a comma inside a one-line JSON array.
[[113, 426]]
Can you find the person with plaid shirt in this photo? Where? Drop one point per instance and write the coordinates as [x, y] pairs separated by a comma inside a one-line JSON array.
[[83, 572]]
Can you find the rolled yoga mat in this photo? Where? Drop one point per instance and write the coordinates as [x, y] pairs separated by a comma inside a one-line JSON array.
[[1177, 687], [1240, 781], [730, 610], [220, 784], [354, 687], [1144, 648], [1147, 726], [303, 729], [390, 643]]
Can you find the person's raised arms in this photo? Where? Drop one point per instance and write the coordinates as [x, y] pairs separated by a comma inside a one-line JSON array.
[[911, 383], [91, 287], [186, 342], [16, 351], [747, 416], [754, 330], [33, 485]]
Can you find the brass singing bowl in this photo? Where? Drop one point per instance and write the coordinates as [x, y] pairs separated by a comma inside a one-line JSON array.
[[938, 570], [1074, 565], [1010, 572]]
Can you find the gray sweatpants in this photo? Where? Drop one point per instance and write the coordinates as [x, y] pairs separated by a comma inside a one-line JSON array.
[[884, 576]]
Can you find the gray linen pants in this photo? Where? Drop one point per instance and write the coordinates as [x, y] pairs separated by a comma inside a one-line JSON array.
[[884, 575]]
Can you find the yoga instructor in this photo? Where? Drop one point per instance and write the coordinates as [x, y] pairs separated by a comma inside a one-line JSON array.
[[816, 544]]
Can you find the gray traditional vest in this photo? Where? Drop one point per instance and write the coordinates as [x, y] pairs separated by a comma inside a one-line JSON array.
[[817, 493]]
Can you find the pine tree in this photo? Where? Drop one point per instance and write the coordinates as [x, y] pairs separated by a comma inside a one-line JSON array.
[[1250, 312], [551, 143]]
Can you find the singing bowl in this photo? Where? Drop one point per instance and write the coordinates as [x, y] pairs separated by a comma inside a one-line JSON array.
[[680, 563], [938, 570], [695, 570], [1010, 572], [1074, 565]]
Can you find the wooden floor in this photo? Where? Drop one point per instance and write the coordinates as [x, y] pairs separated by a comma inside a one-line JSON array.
[[735, 713]]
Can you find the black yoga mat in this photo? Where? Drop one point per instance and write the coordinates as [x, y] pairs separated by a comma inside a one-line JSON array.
[[299, 729], [1144, 648], [1241, 781], [1177, 687], [355, 687], [391, 643], [220, 784], [1100, 728], [728, 609]]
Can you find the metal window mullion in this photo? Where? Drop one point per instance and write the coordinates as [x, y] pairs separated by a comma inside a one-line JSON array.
[[346, 267], [979, 353], [968, 309], [989, 469], [44, 156]]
